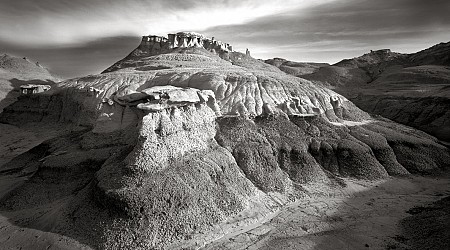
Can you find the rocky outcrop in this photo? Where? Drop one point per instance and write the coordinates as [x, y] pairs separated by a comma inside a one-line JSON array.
[[15, 72], [166, 136], [176, 181], [188, 47], [30, 89], [66, 105], [237, 92], [127, 107], [193, 39], [158, 44]]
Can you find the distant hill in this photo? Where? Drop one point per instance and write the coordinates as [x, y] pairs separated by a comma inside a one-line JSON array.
[[413, 89], [295, 68], [438, 54], [15, 71]]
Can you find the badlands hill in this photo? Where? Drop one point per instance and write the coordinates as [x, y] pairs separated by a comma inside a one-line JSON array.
[[177, 146], [295, 68], [412, 89], [16, 71]]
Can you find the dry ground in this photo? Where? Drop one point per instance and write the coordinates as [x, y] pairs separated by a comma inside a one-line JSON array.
[[364, 215]]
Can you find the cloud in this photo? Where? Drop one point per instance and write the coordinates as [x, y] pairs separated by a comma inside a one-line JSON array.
[[343, 29], [85, 36], [67, 22]]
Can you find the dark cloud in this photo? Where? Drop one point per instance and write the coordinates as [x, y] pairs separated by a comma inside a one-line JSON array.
[[56, 22], [344, 26], [69, 36], [90, 58], [74, 5]]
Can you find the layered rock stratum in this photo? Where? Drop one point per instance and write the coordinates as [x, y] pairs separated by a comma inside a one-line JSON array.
[[175, 150]]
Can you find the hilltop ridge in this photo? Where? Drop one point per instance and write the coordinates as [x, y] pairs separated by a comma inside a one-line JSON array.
[[185, 50], [24, 67]]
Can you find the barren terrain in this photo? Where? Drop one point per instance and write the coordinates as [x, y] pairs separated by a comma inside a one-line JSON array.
[[362, 215], [190, 148]]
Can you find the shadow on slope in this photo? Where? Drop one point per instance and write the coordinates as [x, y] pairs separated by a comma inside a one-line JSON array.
[[47, 195], [429, 114], [367, 216], [428, 227]]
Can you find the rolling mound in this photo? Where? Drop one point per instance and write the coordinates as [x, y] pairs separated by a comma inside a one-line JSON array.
[[178, 156]]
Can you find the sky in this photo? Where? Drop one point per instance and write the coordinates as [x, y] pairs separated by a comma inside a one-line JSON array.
[[80, 37]]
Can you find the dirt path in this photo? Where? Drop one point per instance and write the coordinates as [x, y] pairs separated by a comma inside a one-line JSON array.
[[364, 215]]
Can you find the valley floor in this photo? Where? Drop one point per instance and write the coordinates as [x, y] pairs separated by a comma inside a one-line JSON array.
[[364, 215]]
